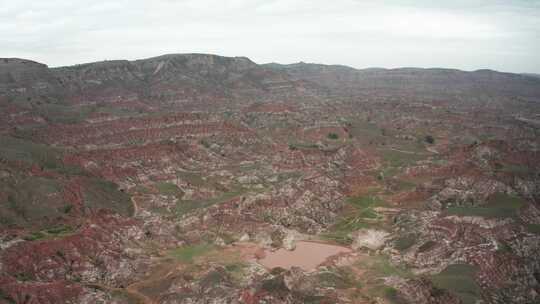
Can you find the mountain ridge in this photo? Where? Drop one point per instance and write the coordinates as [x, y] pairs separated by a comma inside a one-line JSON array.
[[195, 74], [270, 64]]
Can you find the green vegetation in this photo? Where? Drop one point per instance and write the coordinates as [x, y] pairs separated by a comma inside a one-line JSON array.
[[399, 185], [35, 236], [396, 158], [392, 295], [429, 139], [381, 266], [204, 143], [459, 279], [188, 253], [185, 206], [235, 267], [504, 247], [299, 146], [29, 200], [405, 242], [168, 189], [533, 228], [35, 202], [340, 278], [48, 158], [333, 136], [427, 246], [7, 298], [51, 233], [125, 297], [378, 266], [59, 230], [360, 214], [57, 113], [192, 178], [275, 285], [515, 169], [101, 194], [365, 131], [500, 205]]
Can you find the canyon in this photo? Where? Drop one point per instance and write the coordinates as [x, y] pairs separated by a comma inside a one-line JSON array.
[[180, 178]]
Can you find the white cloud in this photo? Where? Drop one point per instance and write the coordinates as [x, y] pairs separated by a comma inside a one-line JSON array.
[[472, 34]]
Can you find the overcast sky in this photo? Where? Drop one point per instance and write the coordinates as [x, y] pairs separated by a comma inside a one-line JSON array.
[[464, 34]]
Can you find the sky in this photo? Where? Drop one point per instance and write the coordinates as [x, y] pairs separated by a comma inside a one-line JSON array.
[[502, 35]]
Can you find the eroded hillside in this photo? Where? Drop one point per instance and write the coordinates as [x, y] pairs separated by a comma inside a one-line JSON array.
[[170, 179]]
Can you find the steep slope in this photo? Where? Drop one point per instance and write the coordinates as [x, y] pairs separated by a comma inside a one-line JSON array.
[[171, 78]]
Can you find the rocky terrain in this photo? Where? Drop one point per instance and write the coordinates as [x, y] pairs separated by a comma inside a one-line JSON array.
[[170, 179]]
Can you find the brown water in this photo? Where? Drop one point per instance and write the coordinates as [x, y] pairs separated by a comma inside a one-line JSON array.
[[307, 255]]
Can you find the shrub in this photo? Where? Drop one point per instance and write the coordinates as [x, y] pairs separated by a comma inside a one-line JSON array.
[[429, 139], [333, 136]]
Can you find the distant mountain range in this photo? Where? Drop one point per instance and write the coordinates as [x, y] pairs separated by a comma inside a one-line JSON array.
[[196, 76]]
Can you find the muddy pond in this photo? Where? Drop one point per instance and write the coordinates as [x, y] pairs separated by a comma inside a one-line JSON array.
[[307, 255]]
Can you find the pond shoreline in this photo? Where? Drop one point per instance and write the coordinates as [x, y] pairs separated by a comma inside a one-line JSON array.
[[307, 255]]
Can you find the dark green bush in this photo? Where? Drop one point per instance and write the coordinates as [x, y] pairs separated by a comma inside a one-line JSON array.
[[333, 136]]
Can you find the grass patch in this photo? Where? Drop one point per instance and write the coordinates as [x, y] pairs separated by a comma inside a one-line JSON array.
[[57, 113], [60, 230], [359, 214], [333, 136], [304, 146], [236, 270], [405, 242], [459, 279], [167, 188], [392, 295], [516, 169], [500, 205], [51, 233], [125, 297], [365, 130], [427, 246], [395, 158], [101, 194], [533, 228], [380, 266], [376, 267], [30, 153], [192, 178], [35, 236], [30, 201], [186, 206], [399, 185], [339, 278], [187, 254]]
